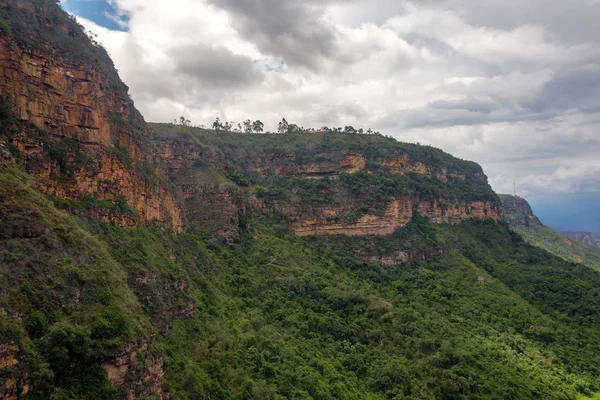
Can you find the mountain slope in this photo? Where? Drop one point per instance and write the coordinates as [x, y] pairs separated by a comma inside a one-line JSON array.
[[319, 266], [68, 121], [275, 316], [518, 214]]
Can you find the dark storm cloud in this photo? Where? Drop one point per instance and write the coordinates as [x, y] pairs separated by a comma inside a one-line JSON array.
[[574, 90], [467, 112], [215, 67], [293, 30]]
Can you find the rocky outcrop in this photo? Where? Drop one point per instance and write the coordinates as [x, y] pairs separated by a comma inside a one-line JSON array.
[[398, 213], [74, 128], [202, 172], [140, 372], [216, 208], [14, 380], [399, 163], [517, 211], [289, 164]]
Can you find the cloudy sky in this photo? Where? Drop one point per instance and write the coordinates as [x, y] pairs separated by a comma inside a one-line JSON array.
[[512, 85]]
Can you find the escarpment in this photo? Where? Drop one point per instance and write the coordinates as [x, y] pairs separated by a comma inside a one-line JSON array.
[[324, 184], [517, 211], [68, 121]]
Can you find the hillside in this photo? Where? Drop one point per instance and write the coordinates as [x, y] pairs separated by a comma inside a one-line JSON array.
[[521, 219], [275, 316], [588, 238], [166, 262]]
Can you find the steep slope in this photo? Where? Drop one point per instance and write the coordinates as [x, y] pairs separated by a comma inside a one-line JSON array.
[[94, 311], [66, 308], [520, 217], [67, 119], [324, 183]]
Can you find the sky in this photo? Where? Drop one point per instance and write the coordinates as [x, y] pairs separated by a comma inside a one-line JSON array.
[[512, 85]]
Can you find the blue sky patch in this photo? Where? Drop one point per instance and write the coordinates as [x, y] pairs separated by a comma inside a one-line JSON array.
[[99, 11]]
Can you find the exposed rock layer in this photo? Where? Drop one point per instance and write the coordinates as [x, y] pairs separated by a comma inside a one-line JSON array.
[[517, 211], [77, 132], [216, 204]]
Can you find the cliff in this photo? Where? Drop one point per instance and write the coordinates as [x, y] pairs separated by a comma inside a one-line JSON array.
[[324, 184], [517, 211], [68, 121]]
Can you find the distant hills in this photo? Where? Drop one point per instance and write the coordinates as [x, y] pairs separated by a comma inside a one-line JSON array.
[[589, 238]]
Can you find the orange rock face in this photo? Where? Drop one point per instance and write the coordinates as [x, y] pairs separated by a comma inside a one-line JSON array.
[[401, 164], [289, 165], [81, 135], [217, 207], [399, 212]]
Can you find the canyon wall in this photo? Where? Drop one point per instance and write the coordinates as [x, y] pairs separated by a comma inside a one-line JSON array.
[[70, 124], [220, 185], [398, 213]]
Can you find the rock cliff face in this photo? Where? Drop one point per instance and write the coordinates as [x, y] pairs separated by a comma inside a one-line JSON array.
[[398, 213], [70, 123], [139, 372], [517, 211], [219, 186]]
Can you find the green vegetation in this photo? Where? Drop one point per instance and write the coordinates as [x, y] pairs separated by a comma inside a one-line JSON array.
[[278, 316], [5, 26], [76, 308], [560, 246], [363, 184], [534, 232]]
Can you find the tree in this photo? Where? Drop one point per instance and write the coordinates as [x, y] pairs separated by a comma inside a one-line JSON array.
[[349, 129], [283, 126], [228, 126], [258, 126], [248, 126], [217, 125], [184, 122], [293, 128]]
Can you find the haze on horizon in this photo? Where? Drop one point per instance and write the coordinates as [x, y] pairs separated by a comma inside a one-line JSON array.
[[511, 85]]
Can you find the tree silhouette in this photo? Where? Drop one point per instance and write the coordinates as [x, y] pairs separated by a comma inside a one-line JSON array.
[[258, 126], [283, 126]]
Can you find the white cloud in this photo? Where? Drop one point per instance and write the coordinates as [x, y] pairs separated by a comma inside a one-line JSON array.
[[503, 83]]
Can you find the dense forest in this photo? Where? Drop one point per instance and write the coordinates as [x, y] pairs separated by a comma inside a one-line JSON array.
[[277, 316]]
